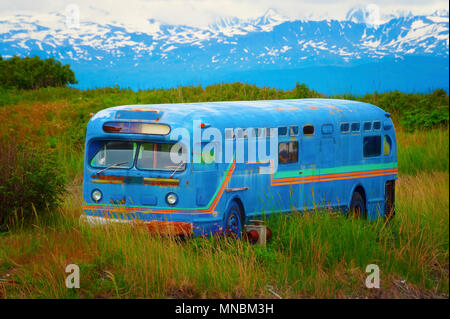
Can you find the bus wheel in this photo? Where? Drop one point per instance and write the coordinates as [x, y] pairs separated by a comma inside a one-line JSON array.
[[233, 224], [357, 206]]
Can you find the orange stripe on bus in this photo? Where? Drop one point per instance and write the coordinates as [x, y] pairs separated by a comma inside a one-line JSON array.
[[332, 179]]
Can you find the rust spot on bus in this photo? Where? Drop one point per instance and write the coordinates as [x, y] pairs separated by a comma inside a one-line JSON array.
[[287, 109], [161, 181], [334, 108], [169, 228], [107, 179]]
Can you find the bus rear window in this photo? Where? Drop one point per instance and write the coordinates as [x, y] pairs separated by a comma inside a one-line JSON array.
[[387, 145], [114, 154], [157, 156], [372, 146]]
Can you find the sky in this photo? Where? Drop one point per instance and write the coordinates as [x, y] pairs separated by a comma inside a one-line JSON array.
[[200, 13]]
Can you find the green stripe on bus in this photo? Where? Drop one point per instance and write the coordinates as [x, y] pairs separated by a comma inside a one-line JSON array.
[[333, 170]]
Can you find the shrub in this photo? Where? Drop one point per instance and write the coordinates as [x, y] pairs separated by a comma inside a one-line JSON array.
[[34, 73], [30, 184], [302, 91]]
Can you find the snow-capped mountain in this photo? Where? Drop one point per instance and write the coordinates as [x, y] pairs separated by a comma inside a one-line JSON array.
[[230, 26], [230, 45]]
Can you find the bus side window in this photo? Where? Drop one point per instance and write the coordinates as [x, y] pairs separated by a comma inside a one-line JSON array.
[[387, 145], [308, 130], [241, 133], [327, 129], [287, 152], [229, 134], [367, 126], [261, 133], [355, 127], [376, 125], [345, 127], [372, 146], [293, 130]]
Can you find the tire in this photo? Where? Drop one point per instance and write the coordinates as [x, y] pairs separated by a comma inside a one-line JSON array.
[[233, 221], [357, 206]]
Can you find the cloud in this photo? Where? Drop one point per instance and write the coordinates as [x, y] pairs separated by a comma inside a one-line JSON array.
[[136, 13]]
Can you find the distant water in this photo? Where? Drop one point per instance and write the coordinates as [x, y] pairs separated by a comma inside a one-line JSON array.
[[414, 74]]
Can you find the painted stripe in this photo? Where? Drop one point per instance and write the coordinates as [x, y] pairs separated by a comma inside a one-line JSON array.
[[332, 176], [329, 174], [333, 179], [335, 170]]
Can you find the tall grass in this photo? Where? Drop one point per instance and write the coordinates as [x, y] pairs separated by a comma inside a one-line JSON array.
[[312, 255], [423, 150]]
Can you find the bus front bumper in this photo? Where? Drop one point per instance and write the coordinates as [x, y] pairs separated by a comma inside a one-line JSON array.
[[154, 226]]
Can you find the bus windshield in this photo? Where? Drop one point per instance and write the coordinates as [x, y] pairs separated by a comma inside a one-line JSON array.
[[157, 156], [114, 153], [150, 156]]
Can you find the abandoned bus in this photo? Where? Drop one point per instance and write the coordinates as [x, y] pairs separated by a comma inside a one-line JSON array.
[[317, 154]]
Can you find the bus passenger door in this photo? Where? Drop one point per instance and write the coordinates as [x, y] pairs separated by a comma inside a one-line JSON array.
[[204, 173]]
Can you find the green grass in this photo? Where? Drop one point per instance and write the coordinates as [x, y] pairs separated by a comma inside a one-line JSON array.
[[423, 151]]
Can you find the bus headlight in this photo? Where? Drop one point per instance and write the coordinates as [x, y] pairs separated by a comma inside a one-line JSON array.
[[171, 199], [96, 195]]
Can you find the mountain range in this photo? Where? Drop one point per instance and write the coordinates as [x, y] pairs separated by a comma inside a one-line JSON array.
[[402, 51]]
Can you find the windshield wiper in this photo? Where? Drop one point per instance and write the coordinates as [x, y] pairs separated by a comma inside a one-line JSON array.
[[176, 169], [112, 166]]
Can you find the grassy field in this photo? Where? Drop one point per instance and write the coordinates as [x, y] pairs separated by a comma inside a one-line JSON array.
[[312, 256], [316, 255]]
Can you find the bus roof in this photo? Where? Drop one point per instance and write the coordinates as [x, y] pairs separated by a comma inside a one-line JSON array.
[[246, 114]]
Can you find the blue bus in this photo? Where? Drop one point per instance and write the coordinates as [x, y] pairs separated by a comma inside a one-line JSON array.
[[323, 154]]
